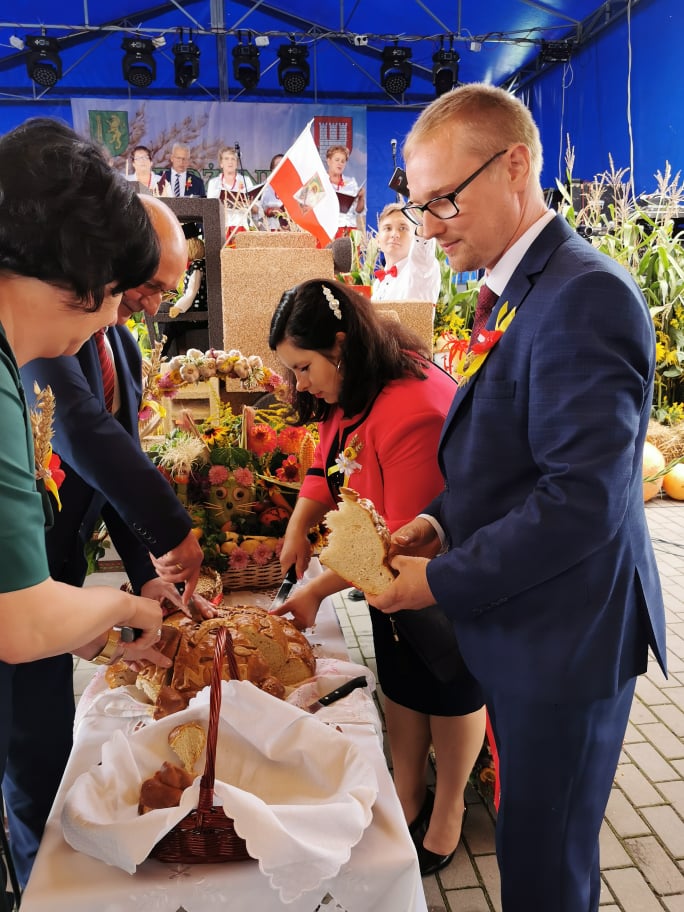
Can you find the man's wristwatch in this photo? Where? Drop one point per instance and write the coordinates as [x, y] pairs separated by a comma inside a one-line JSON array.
[[106, 655]]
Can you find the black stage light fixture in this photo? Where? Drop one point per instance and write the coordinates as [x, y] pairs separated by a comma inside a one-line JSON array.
[[186, 56], [555, 51], [43, 63], [444, 70], [139, 66], [293, 70], [246, 68], [395, 73]]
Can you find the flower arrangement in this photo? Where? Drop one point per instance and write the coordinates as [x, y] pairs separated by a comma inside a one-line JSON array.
[[196, 365], [237, 476]]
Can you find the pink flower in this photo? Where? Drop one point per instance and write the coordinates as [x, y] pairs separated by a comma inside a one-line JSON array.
[[238, 559], [218, 474], [279, 547], [262, 554], [243, 477], [262, 439], [145, 413]]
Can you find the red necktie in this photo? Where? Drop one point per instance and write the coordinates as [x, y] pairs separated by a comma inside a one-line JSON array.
[[380, 273], [486, 299], [107, 368]]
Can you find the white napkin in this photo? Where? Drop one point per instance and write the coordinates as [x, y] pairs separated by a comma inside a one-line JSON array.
[[356, 707], [300, 793]]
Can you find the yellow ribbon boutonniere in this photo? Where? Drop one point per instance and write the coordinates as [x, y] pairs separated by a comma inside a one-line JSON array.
[[466, 361]]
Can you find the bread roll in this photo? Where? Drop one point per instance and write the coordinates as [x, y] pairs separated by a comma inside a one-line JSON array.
[[358, 544]]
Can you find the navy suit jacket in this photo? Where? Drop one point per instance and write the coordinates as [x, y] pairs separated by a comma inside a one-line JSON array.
[[550, 577], [107, 473], [196, 183]]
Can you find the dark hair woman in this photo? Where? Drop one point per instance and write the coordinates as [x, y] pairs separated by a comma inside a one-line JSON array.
[[380, 403]]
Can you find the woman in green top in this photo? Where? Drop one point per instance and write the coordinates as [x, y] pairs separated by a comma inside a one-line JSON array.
[[73, 237]]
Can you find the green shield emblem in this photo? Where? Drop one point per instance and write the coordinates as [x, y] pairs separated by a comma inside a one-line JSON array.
[[110, 129]]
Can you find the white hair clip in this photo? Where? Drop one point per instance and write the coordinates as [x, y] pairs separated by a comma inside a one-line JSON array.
[[333, 303]]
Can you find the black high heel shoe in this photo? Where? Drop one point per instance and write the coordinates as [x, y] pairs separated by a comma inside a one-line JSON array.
[[430, 862], [418, 827]]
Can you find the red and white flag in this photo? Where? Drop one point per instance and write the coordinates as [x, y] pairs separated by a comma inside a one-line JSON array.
[[301, 182]]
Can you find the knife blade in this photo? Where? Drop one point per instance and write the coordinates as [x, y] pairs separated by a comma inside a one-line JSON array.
[[286, 586], [337, 694]]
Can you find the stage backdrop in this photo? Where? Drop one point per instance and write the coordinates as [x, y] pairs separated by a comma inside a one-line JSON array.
[[261, 130]]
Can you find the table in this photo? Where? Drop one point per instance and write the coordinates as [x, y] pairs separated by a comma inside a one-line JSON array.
[[382, 874]]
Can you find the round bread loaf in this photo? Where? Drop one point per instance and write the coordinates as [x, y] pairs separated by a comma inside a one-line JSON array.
[[358, 544], [269, 651]]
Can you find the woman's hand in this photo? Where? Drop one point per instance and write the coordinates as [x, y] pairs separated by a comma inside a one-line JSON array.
[[303, 605], [296, 550], [146, 616]]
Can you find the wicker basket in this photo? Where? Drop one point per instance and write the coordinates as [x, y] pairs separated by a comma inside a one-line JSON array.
[[206, 835], [253, 576]]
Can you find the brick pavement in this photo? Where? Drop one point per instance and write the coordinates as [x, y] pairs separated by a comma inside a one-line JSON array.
[[642, 839]]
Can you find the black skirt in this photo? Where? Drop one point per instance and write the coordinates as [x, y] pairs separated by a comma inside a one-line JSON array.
[[407, 680]]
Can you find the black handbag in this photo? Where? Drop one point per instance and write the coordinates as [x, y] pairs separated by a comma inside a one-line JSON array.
[[430, 634]]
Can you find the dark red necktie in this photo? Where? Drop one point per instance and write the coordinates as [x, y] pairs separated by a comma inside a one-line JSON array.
[[107, 368], [486, 299], [380, 273]]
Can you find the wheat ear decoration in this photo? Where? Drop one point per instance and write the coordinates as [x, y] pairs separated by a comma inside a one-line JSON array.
[[42, 415], [333, 303]]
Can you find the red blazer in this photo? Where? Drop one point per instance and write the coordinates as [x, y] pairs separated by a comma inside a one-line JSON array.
[[399, 433]]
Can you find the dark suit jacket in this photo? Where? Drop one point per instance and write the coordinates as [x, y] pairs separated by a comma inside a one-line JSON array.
[[106, 471], [551, 578], [196, 183]]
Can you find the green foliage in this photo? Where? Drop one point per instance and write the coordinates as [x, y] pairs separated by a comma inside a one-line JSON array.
[[638, 233]]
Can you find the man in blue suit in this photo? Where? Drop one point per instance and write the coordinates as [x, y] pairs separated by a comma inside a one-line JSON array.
[[545, 565], [108, 475], [178, 180]]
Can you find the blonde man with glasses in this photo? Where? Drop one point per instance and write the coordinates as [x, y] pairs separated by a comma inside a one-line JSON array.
[[542, 557]]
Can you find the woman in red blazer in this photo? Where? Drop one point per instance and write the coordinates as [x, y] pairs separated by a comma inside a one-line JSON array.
[[375, 393]]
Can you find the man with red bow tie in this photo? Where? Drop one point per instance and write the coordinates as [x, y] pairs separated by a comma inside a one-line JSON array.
[[411, 270]]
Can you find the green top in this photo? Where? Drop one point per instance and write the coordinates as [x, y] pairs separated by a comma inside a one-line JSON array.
[[23, 561]]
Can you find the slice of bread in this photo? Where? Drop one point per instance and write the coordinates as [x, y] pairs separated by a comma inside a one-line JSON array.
[[188, 741], [358, 544]]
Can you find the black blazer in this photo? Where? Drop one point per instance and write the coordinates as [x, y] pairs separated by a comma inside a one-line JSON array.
[[196, 183], [107, 473]]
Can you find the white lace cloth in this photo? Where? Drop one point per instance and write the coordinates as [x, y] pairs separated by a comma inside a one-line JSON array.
[[283, 799]]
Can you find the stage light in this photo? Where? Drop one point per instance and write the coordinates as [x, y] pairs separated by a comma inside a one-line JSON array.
[[43, 63], [246, 68], [444, 70], [139, 66], [395, 73], [555, 52], [293, 70], [185, 63]]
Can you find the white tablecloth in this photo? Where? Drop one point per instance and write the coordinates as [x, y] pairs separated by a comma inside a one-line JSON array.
[[382, 874]]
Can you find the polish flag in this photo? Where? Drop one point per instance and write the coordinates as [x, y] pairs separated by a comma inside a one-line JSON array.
[[301, 182]]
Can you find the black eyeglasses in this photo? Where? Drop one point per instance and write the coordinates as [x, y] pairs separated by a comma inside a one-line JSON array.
[[445, 207]]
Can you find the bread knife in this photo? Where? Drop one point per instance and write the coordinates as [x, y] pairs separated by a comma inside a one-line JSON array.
[[288, 583], [338, 693]]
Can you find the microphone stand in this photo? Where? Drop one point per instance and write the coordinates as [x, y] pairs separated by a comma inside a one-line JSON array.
[[393, 146]]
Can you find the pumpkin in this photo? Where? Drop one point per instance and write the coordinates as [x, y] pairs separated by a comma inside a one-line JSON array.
[[673, 482], [654, 462]]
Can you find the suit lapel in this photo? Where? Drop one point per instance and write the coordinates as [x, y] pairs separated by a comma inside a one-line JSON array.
[[516, 291]]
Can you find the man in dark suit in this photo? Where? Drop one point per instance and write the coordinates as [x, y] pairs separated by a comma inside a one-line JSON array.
[[178, 180], [545, 567], [107, 475]]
